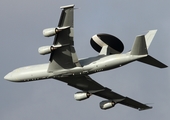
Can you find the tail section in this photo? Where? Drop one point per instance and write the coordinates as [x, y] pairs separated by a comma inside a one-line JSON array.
[[140, 47], [142, 43]]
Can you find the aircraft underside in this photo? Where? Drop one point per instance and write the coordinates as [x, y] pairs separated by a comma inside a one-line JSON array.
[[65, 66]]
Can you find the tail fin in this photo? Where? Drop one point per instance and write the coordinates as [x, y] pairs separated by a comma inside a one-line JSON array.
[[142, 43], [149, 37], [139, 46]]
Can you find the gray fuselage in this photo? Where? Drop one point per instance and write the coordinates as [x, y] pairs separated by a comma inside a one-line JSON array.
[[89, 66]]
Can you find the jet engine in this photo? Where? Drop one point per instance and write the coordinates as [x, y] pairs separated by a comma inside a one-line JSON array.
[[46, 49], [107, 104], [53, 31], [81, 95], [100, 40], [50, 32]]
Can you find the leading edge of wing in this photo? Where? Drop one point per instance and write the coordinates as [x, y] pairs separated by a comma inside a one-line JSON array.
[[87, 84]]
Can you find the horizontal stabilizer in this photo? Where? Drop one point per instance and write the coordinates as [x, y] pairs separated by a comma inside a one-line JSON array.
[[152, 61]]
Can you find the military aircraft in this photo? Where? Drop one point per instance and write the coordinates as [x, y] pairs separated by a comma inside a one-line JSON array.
[[65, 66]]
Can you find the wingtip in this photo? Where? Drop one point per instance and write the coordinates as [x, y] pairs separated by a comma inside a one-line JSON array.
[[153, 31], [147, 108], [67, 6]]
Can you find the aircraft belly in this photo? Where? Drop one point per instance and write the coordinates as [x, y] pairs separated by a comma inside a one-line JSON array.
[[68, 72], [108, 62]]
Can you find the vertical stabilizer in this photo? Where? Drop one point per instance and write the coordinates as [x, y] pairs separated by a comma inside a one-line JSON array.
[[139, 47], [149, 37]]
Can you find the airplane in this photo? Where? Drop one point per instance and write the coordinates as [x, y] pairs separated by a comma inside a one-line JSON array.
[[65, 66]]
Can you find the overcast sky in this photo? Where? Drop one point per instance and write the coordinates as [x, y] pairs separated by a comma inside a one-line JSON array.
[[21, 25]]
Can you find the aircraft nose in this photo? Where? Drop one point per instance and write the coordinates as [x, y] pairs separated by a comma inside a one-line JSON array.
[[9, 77]]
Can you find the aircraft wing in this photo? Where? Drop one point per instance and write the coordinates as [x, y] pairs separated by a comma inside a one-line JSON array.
[[86, 84], [64, 57]]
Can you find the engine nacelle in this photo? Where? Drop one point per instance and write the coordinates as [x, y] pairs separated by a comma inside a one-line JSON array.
[[50, 32], [100, 40], [46, 50], [107, 104], [81, 95], [53, 31]]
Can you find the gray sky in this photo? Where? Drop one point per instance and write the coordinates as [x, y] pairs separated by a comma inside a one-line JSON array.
[[21, 26]]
